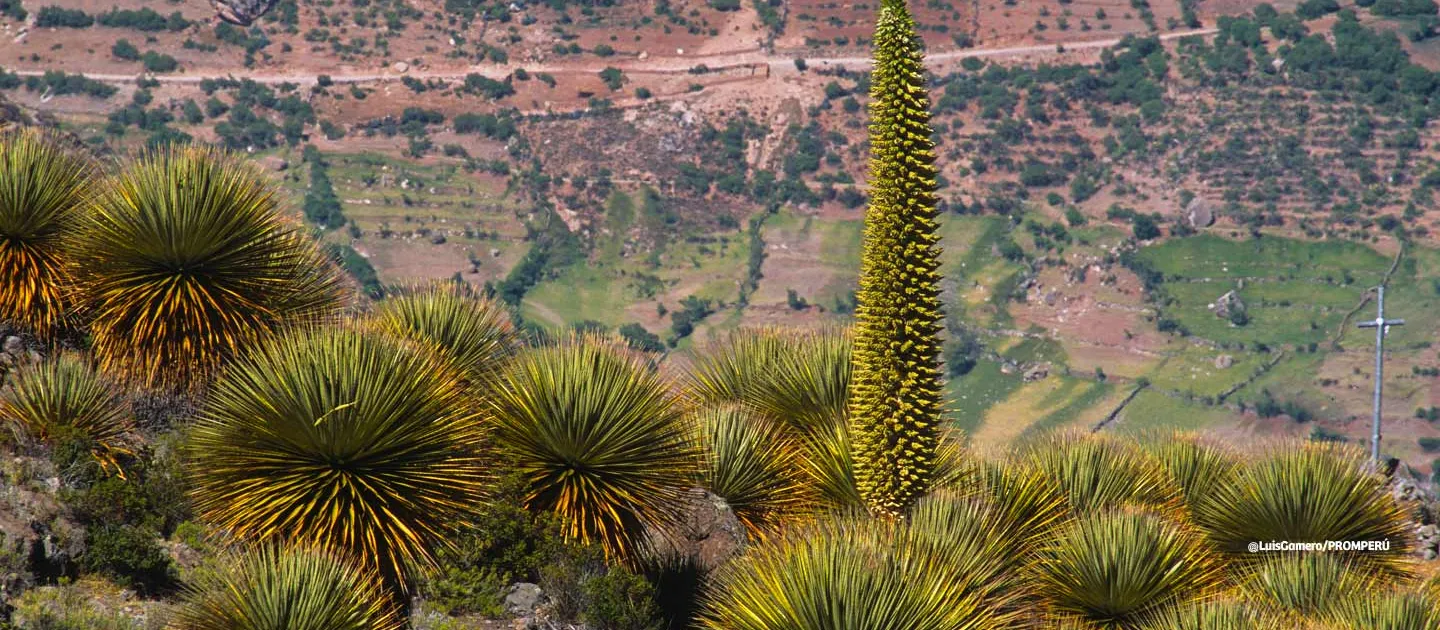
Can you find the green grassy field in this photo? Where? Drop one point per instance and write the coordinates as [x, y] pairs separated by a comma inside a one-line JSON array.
[[1154, 411], [1295, 292]]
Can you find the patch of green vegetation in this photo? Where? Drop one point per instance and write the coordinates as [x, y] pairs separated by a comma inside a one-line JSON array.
[[970, 396], [1089, 395], [1193, 370], [1032, 350], [1153, 411], [1294, 292]]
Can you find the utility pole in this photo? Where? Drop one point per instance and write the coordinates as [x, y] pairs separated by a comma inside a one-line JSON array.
[[1381, 326]]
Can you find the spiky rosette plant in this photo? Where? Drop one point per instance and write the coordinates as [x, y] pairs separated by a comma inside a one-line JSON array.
[[1307, 493], [752, 463], [1216, 615], [44, 400], [43, 191], [472, 331], [1117, 569], [1386, 611], [1301, 584], [297, 589], [1032, 503], [800, 378], [1098, 473], [895, 396], [1196, 467], [865, 574], [353, 441], [598, 437], [976, 537], [189, 259], [725, 370]]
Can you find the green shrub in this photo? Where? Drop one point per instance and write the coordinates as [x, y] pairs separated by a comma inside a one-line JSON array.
[[158, 62], [123, 49], [504, 543], [637, 337], [612, 77], [56, 17], [131, 556], [1429, 444], [620, 600]]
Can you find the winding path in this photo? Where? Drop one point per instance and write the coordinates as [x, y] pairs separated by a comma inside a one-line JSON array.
[[775, 63]]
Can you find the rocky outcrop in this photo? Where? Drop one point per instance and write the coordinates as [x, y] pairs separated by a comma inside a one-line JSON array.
[[1227, 304], [1423, 509], [707, 533], [1199, 213], [37, 542], [242, 12], [14, 352]]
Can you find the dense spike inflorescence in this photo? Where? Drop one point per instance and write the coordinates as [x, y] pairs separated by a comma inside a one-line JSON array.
[[895, 398]]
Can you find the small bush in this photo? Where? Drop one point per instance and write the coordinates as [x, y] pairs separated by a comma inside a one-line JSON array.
[[158, 62], [620, 600], [613, 78], [130, 556], [123, 49], [66, 607], [504, 543]]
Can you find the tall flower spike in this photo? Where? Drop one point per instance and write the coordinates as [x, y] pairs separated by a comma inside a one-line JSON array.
[[895, 397]]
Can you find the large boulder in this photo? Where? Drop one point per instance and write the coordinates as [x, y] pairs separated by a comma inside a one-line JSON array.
[[1199, 213], [242, 12], [706, 535], [522, 598]]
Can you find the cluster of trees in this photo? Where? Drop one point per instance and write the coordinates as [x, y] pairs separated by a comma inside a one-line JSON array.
[[692, 311], [145, 19], [245, 127], [499, 127], [155, 120], [321, 206], [58, 83], [490, 88]]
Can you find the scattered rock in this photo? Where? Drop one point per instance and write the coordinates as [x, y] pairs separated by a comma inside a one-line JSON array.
[[1226, 304], [1036, 373], [400, 67], [1224, 361], [14, 345], [185, 557], [242, 12], [522, 598], [438, 239], [494, 253]]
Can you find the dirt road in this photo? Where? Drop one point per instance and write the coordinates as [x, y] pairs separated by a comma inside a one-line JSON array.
[[777, 64]]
